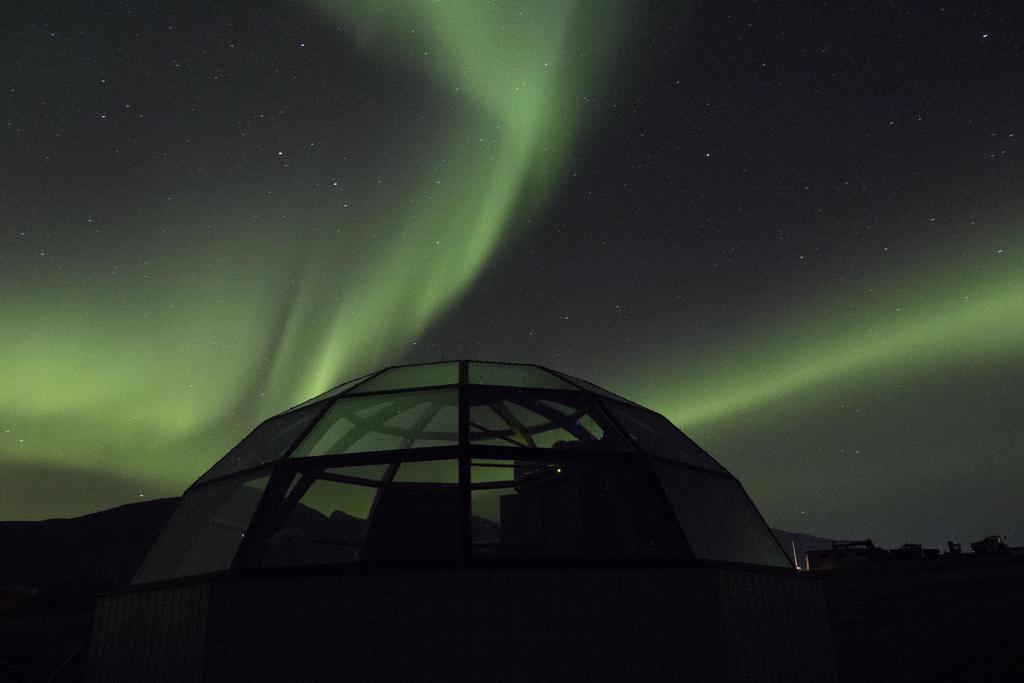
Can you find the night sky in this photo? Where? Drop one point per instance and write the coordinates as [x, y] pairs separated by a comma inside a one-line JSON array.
[[796, 229]]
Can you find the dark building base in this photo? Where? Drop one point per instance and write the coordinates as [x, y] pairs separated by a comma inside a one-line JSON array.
[[707, 623]]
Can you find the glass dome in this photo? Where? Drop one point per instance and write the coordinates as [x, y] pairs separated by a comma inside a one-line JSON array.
[[461, 459]]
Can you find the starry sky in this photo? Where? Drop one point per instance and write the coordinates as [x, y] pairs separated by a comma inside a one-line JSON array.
[[796, 229]]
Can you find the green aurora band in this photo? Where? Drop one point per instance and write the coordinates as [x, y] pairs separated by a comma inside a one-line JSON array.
[[955, 311], [93, 363], [520, 82], [86, 382]]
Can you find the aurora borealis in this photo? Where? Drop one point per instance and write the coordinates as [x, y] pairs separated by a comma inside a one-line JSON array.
[[798, 234]]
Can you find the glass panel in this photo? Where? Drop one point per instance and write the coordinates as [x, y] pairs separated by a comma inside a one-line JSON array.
[[322, 519], [341, 515], [385, 422], [551, 508], [656, 435], [592, 387], [717, 517], [412, 376], [429, 471], [521, 418], [515, 376], [330, 393], [205, 531], [268, 442]]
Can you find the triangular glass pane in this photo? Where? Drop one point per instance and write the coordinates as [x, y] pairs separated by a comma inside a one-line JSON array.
[[657, 436], [205, 531], [268, 442], [330, 393], [584, 384], [510, 375], [385, 422], [412, 377], [518, 417], [718, 518]]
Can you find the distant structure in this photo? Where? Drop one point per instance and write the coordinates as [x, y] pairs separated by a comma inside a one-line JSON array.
[[466, 520], [843, 554], [857, 554], [913, 551], [991, 545], [853, 554]]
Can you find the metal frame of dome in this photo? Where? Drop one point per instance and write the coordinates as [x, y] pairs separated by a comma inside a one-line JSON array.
[[693, 508]]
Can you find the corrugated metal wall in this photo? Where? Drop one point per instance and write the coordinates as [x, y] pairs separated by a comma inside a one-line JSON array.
[[780, 625], [150, 635], [501, 624], [495, 625]]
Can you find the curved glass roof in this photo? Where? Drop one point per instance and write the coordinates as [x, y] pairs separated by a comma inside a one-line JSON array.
[[460, 458]]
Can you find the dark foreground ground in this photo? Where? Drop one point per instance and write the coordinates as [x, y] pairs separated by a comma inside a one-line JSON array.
[[949, 619], [50, 573], [36, 644], [946, 620]]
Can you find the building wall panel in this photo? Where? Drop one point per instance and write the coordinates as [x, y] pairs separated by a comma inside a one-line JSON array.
[[152, 635], [498, 624]]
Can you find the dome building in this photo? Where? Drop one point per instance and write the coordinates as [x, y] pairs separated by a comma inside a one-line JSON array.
[[464, 519]]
